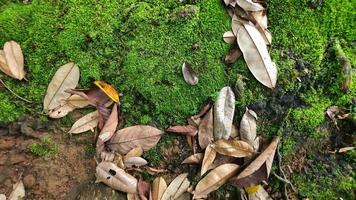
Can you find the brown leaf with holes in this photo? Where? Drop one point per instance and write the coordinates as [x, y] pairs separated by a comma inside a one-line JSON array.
[[206, 130], [177, 187], [159, 185], [86, 123], [233, 147], [14, 60], [189, 75], [209, 157], [194, 159], [143, 189], [184, 130]]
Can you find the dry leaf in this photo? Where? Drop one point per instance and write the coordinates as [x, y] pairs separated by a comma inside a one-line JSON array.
[[185, 130], [108, 89], [116, 178], [209, 157], [135, 136], [345, 149], [206, 130], [256, 55], [66, 78], [159, 185], [18, 191], [234, 148], [189, 75], [135, 152], [132, 196], [229, 37], [2, 197], [249, 5], [86, 123], [143, 189], [70, 104], [260, 20], [224, 113], [203, 111], [108, 130], [135, 162], [258, 169], [184, 196], [3, 65], [14, 59], [194, 159], [248, 128], [214, 179], [233, 55], [260, 193], [107, 156], [154, 171], [177, 187]]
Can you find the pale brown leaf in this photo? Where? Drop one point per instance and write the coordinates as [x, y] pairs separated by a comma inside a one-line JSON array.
[[159, 185], [224, 113], [249, 5], [70, 104], [206, 130], [177, 187], [3, 65], [233, 147], [143, 189], [135, 136], [66, 78], [345, 149], [184, 196], [194, 159], [233, 55], [2, 197], [132, 196], [229, 37], [135, 162], [185, 130], [214, 179], [135, 152], [208, 159], [203, 110], [260, 21], [86, 123], [189, 75], [18, 191], [108, 130], [14, 59], [115, 177], [248, 126]]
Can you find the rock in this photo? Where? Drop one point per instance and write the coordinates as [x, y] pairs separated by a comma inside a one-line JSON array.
[[29, 181], [94, 191]]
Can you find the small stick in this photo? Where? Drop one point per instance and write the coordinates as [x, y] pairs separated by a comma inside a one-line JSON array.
[[16, 95]]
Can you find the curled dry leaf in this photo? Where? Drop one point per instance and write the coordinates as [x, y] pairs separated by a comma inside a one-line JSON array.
[[135, 136], [209, 157], [177, 187], [194, 159], [256, 55], [259, 169], [214, 179], [185, 130], [189, 75], [135, 162], [14, 59], [70, 104], [234, 148], [86, 123], [249, 5], [18, 191], [229, 37], [66, 78], [206, 130], [159, 185], [115, 177], [224, 113], [248, 128], [143, 189], [233, 55], [108, 130], [135, 152]]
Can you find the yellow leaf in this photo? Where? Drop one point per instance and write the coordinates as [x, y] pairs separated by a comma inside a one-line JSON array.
[[108, 89]]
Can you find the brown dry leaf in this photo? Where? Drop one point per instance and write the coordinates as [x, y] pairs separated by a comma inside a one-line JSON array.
[[132, 196], [108, 156], [154, 171], [203, 111], [14, 59], [86, 123], [66, 78], [2, 197], [248, 127], [260, 20], [116, 178], [18, 191], [184, 196], [249, 5], [135, 136], [345, 149], [177, 187], [229, 37], [233, 55], [135, 162], [224, 113], [108, 130], [3, 65], [135, 152], [159, 185], [189, 75], [95, 95], [143, 189], [234, 148], [258, 169], [257, 58], [70, 104], [206, 130], [209, 157], [214, 179], [185, 130], [194, 159]]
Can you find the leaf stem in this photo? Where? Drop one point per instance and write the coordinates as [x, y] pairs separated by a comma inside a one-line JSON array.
[[16, 95]]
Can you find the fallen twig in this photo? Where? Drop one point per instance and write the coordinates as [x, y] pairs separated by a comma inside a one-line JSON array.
[[16, 95]]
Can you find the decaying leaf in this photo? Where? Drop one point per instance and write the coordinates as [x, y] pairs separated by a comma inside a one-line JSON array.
[[194, 159], [209, 157], [86, 123], [345, 149], [248, 128], [249, 5], [189, 75], [259, 169], [135, 162], [14, 59], [159, 185], [116, 178], [66, 78], [132, 196], [185, 130], [206, 130], [254, 50], [135, 152], [224, 113], [143, 189], [177, 187], [108, 130], [229, 37], [18, 191], [214, 179], [233, 55], [135, 136], [233, 147]]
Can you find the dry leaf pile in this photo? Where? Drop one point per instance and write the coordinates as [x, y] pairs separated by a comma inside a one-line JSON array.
[[251, 38]]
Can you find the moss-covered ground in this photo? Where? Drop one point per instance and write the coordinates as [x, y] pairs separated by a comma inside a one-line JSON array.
[[140, 45]]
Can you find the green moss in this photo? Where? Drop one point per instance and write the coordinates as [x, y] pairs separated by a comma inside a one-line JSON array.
[[90, 150], [45, 147]]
